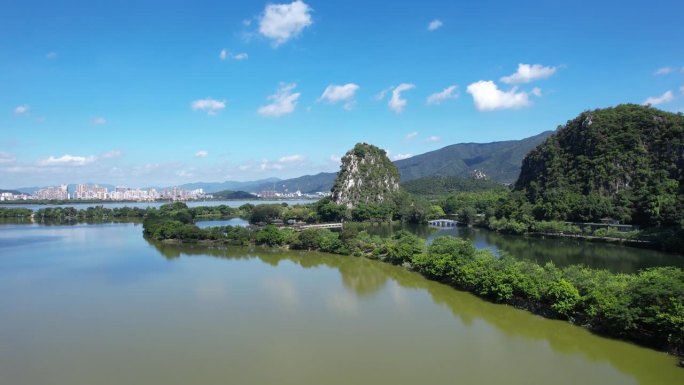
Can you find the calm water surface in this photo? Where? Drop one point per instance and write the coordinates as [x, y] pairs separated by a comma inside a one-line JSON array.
[[97, 304], [111, 205]]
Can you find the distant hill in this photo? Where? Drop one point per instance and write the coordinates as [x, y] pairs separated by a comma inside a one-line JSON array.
[[212, 187], [15, 192], [306, 184], [227, 194], [499, 161], [442, 185]]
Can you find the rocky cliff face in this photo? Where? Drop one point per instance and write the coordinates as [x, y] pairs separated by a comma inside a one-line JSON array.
[[366, 176]]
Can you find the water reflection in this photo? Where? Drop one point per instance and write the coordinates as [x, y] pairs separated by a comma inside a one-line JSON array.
[[365, 278]]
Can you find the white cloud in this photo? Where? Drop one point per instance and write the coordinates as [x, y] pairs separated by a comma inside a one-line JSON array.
[[381, 95], [284, 102], [22, 109], [267, 165], [336, 93], [292, 159], [6, 157], [282, 22], [396, 103], [51, 55], [488, 97], [411, 135], [438, 97], [67, 160], [435, 25], [656, 100], [527, 73], [184, 174], [201, 154], [335, 158], [536, 91], [401, 156], [681, 89], [211, 106], [664, 71], [111, 154], [225, 54], [99, 121], [433, 139]]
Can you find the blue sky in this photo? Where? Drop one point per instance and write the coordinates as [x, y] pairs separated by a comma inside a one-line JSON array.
[[137, 93]]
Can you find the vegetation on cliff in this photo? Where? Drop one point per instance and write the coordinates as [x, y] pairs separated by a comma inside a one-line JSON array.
[[366, 177], [625, 163]]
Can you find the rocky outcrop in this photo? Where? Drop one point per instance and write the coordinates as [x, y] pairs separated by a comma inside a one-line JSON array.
[[366, 176]]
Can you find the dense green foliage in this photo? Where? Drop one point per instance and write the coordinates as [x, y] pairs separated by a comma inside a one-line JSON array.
[[12, 212], [228, 194], [625, 163], [647, 307], [366, 177], [435, 186]]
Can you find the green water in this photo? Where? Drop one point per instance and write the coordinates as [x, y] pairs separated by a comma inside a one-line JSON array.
[[97, 304]]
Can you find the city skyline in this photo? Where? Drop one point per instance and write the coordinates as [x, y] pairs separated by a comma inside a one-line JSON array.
[[212, 91]]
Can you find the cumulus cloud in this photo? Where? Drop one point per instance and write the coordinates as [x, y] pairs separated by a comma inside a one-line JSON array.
[[6, 157], [111, 154], [283, 101], [662, 99], [664, 71], [529, 72], [51, 55], [282, 22], [99, 121], [536, 91], [267, 165], [67, 160], [401, 156], [21, 109], [225, 54], [211, 106], [340, 93], [396, 103], [201, 154], [439, 97], [292, 159], [435, 25], [433, 139], [411, 135], [487, 97], [335, 158]]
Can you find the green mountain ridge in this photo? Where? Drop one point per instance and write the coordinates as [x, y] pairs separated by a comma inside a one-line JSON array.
[[500, 161]]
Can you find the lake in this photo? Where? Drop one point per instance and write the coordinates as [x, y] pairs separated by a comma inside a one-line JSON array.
[[112, 205], [98, 304]]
